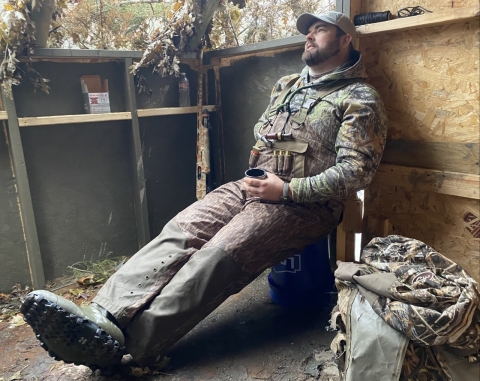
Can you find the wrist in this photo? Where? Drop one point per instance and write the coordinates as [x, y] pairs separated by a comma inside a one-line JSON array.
[[286, 194]]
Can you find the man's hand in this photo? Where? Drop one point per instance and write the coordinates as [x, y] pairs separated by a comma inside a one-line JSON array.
[[269, 189]]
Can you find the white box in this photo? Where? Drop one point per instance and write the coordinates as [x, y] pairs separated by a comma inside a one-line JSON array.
[[95, 94], [98, 103]]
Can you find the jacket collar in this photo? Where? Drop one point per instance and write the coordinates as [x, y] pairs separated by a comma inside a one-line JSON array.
[[354, 68]]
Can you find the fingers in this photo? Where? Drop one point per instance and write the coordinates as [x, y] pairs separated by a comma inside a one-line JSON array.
[[269, 189], [253, 182], [252, 186]]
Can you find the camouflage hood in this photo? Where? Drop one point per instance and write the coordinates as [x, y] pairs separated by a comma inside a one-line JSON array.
[[354, 68]]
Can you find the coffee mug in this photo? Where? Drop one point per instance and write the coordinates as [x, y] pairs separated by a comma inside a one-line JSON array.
[[256, 173]]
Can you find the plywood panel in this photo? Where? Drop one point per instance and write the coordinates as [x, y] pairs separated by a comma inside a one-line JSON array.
[[432, 5], [426, 180], [428, 79], [448, 156], [447, 223]]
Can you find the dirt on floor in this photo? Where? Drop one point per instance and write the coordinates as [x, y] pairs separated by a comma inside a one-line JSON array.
[[248, 338]]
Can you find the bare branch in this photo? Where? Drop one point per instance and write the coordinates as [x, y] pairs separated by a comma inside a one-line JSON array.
[[233, 28]]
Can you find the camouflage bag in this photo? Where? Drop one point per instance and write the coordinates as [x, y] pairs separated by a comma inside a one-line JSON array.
[[421, 294]]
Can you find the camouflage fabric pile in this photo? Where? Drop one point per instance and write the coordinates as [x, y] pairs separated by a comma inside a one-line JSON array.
[[418, 292]]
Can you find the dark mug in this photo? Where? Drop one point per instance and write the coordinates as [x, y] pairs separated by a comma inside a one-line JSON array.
[[256, 173]]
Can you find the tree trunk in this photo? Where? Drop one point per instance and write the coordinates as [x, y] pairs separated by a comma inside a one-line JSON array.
[[42, 19]]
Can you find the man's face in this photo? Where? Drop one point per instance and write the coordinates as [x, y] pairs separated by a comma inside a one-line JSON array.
[[322, 43]]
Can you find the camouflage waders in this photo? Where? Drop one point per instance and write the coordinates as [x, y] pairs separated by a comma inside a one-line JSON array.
[[213, 249], [208, 252], [218, 245]]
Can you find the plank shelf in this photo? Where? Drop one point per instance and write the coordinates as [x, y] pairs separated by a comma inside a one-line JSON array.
[[88, 118], [72, 119], [171, 110], [454, 15]]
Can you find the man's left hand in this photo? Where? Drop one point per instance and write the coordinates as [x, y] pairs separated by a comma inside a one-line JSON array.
[[269, 189]]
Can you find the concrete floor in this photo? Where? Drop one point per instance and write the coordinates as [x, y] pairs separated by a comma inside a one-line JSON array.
[[247, 338]]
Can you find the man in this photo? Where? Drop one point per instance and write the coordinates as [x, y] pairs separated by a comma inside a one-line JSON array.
[[320, 141]]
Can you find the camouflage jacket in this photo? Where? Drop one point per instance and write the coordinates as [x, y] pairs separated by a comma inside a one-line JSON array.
[[352, 125], [417, 291]]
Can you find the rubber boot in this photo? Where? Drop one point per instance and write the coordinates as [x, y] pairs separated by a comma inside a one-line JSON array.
[[79, 335]]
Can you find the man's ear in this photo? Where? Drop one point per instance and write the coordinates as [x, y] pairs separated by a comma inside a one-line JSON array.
[[345, 41]]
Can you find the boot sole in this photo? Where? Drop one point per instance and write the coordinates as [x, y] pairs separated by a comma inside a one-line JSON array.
[[68, 337]]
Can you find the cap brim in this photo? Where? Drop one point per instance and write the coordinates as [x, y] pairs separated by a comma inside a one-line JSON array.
[[305, 21]]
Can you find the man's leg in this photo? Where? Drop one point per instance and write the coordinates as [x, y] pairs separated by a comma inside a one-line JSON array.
[[260, 236], [143, 277], [88, 335]]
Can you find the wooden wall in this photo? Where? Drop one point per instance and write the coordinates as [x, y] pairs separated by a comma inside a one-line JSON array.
[[394, 5], [429, 80]]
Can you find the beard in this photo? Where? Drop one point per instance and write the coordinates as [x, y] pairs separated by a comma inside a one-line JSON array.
[[319, 55]]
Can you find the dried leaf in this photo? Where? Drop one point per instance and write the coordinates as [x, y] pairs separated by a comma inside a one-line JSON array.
[[139, 372], [87, 280], [17, 321], [4, 298], [16, 376], [75, 291]]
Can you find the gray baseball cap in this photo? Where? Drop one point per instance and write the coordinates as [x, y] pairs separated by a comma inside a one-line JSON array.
[[306, 20]]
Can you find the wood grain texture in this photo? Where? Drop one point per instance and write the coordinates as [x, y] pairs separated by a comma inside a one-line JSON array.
[[72, 119], [443, 156], [171, 110], [434, 218], [425, 180], [428, 79], [432, 5], [454, 15]]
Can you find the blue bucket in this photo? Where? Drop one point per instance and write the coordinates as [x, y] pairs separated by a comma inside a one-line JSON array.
[[303, 281]]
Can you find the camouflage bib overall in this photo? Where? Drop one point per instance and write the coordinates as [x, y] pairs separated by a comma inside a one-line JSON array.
[[218, 245]]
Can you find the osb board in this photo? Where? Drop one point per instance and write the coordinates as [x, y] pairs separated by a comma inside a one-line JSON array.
[[394, 5], [436, 219], [429, 81]]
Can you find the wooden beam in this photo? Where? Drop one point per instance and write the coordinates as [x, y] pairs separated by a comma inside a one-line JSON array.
[[345, 248], [219, 126], [352, 215], [355, 8], [72, 119], [351, 224], [281, 44], [139, 188], [171, 110], [442, 156], [350, 8], [88, 118], [27, 216], [425, 180], [207, 14], [374, 226], [454, 15], [341, 244]]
